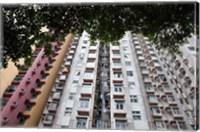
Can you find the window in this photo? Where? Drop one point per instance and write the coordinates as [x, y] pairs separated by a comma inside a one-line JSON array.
[[68, 111], [147, 79], [176, 111], [81, 123], [71, 96], [118, 88], [129, 73], [120, 124], [88, 74], [117, 74], [84, 103], [155, 110], [171, 98], [75, 83], [60, 85], [116, 54], [87, 86], [128, 63], [182, 125], [152, 98], [159, 124], [136, 115], [119, 105], [149, 88], [134, 98], [83, 47], [116, 63], [191, 48]]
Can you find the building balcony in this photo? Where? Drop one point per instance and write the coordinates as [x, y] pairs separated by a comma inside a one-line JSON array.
[[156, 112], [118, 96], [48, 120], [90, 65], [144, 71], [52, 107], [159, 125], [71, 53], [157, 65], [154, 58], [138, 47], [81, 112], [120, 115], [35, 54], [141, 58], [56, 96], [62, 78], [171, 100], [149, 89], [175, 112], [68, 64], [92, 55], [152, 99], [23, 70], [138, 52], [17, 80], [60, 86], [147, 79], [70, 57], [181, 125], [93, 49], [73, 47], [115, 48], [22, 118], [9, 91], [160, 72], [142, 65], [86, 90], [167, 89], [3, 102]]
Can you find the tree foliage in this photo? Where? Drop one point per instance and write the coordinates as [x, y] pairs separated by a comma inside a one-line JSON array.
[[167, 25]]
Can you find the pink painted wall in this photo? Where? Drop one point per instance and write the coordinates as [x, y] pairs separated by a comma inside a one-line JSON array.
[[11, 114]]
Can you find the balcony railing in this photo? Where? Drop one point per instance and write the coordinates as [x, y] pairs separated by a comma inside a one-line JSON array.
[[48, 120], [17, 80], [10, 89]]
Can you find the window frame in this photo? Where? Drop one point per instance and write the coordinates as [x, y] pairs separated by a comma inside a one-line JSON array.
[[136, 114]]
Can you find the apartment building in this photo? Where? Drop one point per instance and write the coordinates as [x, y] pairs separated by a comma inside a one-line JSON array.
[[22, 102], [181, 70], [164, 106], [127, 86], [72, 107]]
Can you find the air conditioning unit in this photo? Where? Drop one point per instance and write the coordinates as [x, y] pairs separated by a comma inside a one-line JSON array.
[[39, 63], [29, 80], [14, 105], [21, 92], [5, 120], [34, 71]]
